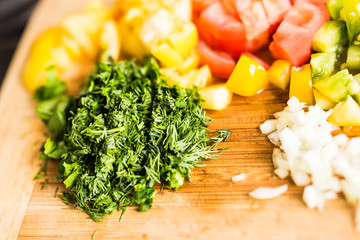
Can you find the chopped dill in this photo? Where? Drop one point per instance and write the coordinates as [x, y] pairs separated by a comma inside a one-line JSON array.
[[125, 132]]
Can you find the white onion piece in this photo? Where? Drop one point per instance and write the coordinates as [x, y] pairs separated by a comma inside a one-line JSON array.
[[281, 173], [239, 177], [268, 126], [267, 192]]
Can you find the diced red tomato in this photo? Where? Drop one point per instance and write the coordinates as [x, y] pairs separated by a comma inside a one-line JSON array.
[[308, 15], [275, 12], [222, 31], [200, 5], [221, 64], [253, 16], [292, 43], [216, 22], [292, 40], [229, 7]]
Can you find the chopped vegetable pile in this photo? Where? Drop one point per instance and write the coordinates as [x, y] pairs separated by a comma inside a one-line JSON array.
[[126, 131], [134, 126]]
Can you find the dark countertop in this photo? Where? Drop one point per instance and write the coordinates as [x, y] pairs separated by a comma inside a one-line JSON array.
[[14, 15]]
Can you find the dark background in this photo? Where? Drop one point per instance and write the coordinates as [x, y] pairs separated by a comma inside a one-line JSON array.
[[14, 15]]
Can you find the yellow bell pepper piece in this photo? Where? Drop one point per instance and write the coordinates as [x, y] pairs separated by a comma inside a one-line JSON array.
[[301, 84], [134, 17], [248, 78], [279, 73], [216, 97], [110, 41], [191, 62], [161, 28], [163, 21], [84, 27], [131, 44], [184, 39], [202, 77], [166, 55], [40, 58], [346, 113], [182, 9]]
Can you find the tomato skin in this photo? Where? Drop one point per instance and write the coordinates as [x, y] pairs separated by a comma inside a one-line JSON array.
[[223, 32], [200, 5], [216, 22], [292, 43], [275, 11], [252, 15], [257, 59], [293, 38], [229, 7], [308, 15], [221, 64]]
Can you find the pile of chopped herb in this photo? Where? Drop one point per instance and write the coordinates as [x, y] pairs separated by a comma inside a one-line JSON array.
[[126, 131]]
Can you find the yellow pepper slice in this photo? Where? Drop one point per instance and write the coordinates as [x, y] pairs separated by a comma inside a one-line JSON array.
[[184, 39], [166, 55], [346, 113], [191, 62], [301, 84], [40, 58], [216, 97], [248, 78], [279, 73], [110, 41]]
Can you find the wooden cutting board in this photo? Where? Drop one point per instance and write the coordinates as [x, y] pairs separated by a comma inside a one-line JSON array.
[[211, 207]]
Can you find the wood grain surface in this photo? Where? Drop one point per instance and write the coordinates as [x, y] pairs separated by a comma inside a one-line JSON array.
[[210, 207]]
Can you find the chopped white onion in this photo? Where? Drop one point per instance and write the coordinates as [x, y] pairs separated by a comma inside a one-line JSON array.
[[300, 178], [268, 193], [313, 197], [239, 177], [307, 151], [281, 173]]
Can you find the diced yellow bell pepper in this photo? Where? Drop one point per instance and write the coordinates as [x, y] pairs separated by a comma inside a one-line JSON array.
[[40, 58], [85, 27], [110, 41], [131, 44], [166, 55], [73, 47], [346, 113], [279, 73], [172, 77], [301, 84], [148, 35], [133, 18], [323, 101], [96, 6], [216, 97], [248, 78], [61, 57], [161, 28], [184, 39], [162, 21], [202, 77], [182, 9], [191, 62]]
